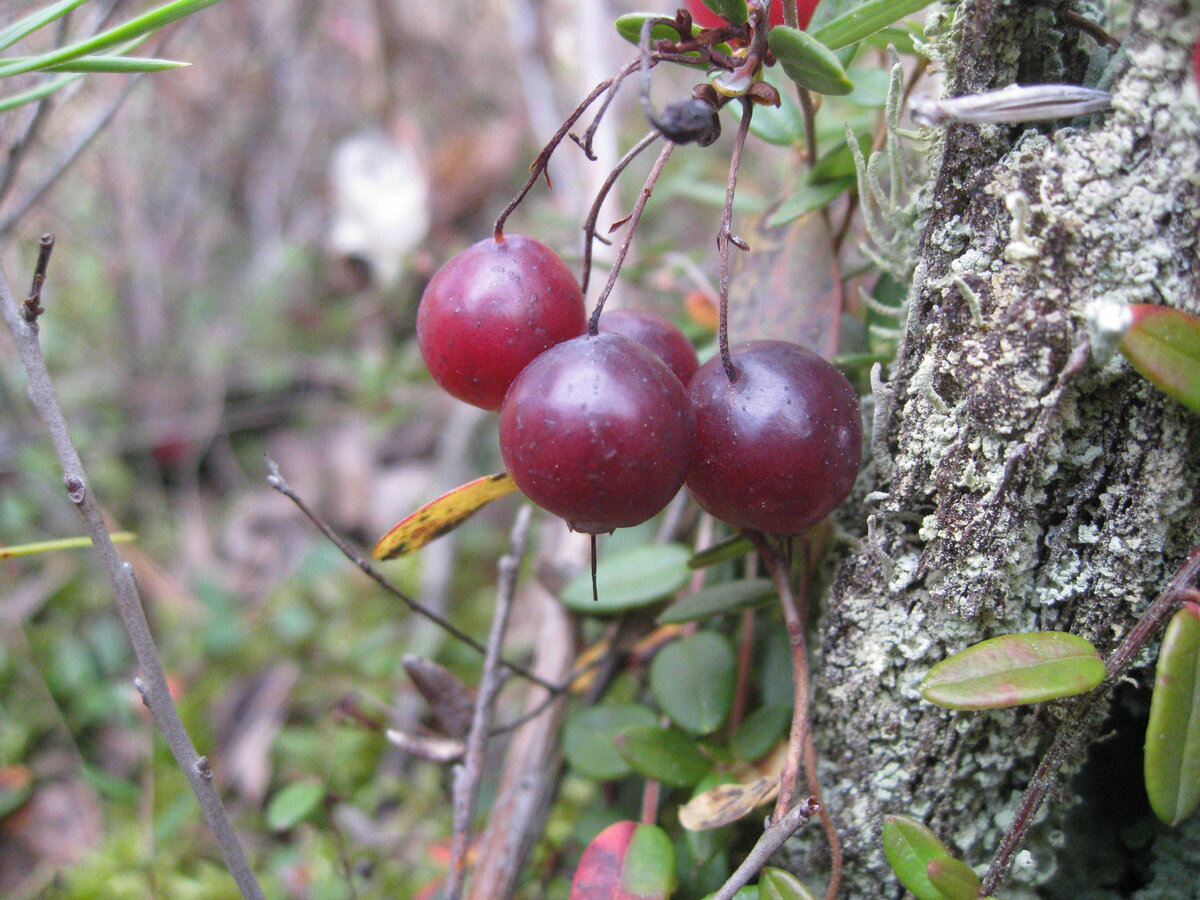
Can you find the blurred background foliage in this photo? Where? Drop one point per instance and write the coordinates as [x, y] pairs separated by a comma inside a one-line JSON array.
[[239, 255]]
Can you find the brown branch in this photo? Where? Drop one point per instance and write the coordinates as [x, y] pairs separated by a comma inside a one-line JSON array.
[[152, 682], [1070, 735], [468, 776], [772, 839], [276, 480]]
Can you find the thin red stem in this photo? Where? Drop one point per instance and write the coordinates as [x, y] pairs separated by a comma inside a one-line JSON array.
[[725, 237]]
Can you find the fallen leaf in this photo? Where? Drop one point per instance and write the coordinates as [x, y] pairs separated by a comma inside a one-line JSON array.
[[442, 515]]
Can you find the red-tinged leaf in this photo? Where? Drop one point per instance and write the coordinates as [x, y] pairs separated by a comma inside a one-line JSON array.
[[910, 847], [444, 514], [1014, 669], [626, 861], [1173, 733], [953, 877], [1163, 344]]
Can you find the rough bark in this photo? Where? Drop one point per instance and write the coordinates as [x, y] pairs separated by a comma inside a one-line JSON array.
[[1009, 492]]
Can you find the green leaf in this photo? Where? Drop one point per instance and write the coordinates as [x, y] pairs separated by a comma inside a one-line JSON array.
[[720, 599], [730, 548], [626, 861], [143, 24], [734, 11], [34, 94], [664, 754], [864, 20], [71, 543], [808, 197], [1014, 669], [838, 164], [808, 62], [1163, 344], [760, 731], [693, 681], [953, 878], [749, 892], [782, 125], [589, 738], [631, 579], [778, 884], [910, 847], [1172, 766], [117, 64], [36, 20], [294, 804]]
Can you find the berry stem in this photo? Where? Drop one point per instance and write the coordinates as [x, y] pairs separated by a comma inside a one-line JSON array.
[[634, 217], [538, 168], [589, 226], [725, 237]]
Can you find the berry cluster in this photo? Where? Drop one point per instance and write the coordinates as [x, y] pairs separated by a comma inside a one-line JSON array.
[[603, 427]]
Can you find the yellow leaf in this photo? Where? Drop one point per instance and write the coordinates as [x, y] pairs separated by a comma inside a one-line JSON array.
[[729, 802], [444, 514]]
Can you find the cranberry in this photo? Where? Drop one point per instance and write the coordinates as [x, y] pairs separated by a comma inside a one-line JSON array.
[[706, 18], [598, 430], [489, 311], [658, 336], [778, 449]]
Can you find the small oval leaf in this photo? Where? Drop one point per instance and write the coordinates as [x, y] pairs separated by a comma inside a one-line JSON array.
[[294, 804], [626, 861], [718, 600], [444, 514], [953, 878], [910, 847], [1163, 344], [778, 884], [731, 548], [630, 579], [1172, 765], [863, 20], [808, 62], [664, 754], [589, 738], [1014, 669], [760, 730], [693, 681]]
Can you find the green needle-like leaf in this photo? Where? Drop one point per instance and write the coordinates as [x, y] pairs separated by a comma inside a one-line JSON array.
[[1173, 733], [144, 24], [1163, 344], [1014, 669], [71, 543], [864, 20], [33, 95], [36, 20], [808, 62]]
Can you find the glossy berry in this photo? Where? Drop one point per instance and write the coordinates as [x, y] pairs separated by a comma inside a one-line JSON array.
[[778, 449], [657, 335], [706, 18], [598, 431], [489, 311]]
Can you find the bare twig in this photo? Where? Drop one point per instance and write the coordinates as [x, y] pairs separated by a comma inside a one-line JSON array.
[[1070, 735], [468, 775], [152, 682], [32, 307], [772, 839], [276, 480]]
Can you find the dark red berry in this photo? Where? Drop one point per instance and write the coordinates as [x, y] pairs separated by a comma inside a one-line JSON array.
[[778, 449], [598, 431], [488, 312], [657, 335]]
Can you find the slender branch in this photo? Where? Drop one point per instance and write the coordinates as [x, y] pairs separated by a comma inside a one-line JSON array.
[[634, 218], [276, 480], [1070, 735], [764, 848], [725, 236], [32, 308], [468, 775], [152, 682]]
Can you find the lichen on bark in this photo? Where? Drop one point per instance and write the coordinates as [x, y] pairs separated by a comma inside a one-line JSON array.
[[1029, 486]]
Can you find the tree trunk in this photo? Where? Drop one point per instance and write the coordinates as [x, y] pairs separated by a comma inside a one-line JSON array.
[[1018, 483]]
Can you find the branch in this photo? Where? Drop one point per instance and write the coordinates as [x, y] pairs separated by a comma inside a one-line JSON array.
[[468, 775], [152, 683], [772, 839]]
